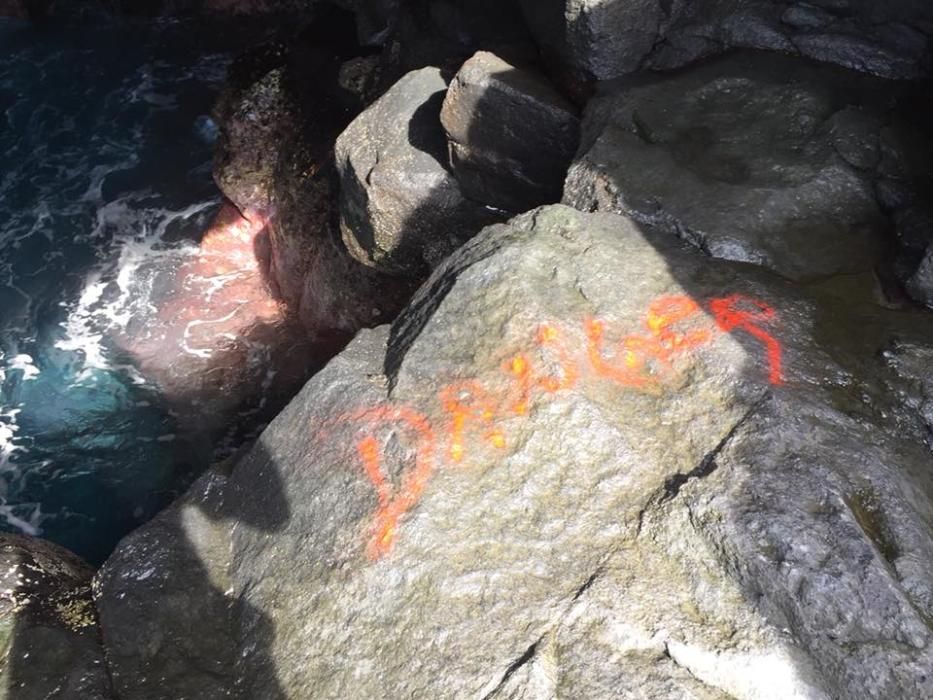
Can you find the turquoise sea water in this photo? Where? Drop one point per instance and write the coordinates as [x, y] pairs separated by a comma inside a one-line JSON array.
[[105, 148]]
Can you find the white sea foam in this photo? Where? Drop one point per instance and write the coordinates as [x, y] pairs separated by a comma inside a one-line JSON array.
[[114, 294], [31, 526], [26, 365]]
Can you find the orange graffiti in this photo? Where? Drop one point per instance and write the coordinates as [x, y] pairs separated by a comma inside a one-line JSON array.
[[729, 316], [528, 379], [644, 361], [465, 403], [392, 506]]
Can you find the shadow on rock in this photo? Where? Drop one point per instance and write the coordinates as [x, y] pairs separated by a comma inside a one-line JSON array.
[[169, 625]]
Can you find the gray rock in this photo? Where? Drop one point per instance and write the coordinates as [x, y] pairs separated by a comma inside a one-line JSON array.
[[860, 35], [806, 17], [855, 135], [167, 613], [511, 135], [49, 639], [752, 157], [598, 40], [580, 466], [401, 210], [911, 362], [920, 283]]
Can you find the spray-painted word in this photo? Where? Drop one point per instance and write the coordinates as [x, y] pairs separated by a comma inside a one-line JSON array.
[[474, 414]]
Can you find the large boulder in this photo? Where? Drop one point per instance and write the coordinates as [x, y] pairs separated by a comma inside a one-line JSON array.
[[49, 639], [753, 157], [588, 461], [401, 209], [511, 135], [166, 611], [598, 39], [604, 39]]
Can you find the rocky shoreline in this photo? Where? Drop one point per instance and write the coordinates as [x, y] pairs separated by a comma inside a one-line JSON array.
[[619, 321]]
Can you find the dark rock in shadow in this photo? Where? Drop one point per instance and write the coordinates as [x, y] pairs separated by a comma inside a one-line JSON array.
[[170, 626], [50, 642]]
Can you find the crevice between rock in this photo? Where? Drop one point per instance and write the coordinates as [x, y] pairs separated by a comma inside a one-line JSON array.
[[707, 466], [527, 656]]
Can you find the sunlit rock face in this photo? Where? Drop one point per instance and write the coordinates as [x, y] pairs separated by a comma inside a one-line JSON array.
[[587, 461], [217, 338]]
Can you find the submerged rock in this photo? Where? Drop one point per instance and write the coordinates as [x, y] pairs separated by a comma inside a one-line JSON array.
[[49, 639], [511, 135], [401, 210], [752, 157], [586, 461]]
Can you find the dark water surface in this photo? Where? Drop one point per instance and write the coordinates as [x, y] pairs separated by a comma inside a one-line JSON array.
[[105, 187]]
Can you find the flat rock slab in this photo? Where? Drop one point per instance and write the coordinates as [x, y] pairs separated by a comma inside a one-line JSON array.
[[753, 157], [511, 134]]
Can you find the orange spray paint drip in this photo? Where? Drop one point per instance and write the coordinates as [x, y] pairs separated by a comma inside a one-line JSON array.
[[729, 315]]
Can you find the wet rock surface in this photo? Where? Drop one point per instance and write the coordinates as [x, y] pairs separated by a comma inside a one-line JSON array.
[[589, 461], [284, 108], [401, 209], [510, 134], [49, 639], [596, 40], [752, 157]]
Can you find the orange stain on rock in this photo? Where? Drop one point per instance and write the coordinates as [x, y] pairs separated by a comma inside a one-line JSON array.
[[466, 403], [627, 373]]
